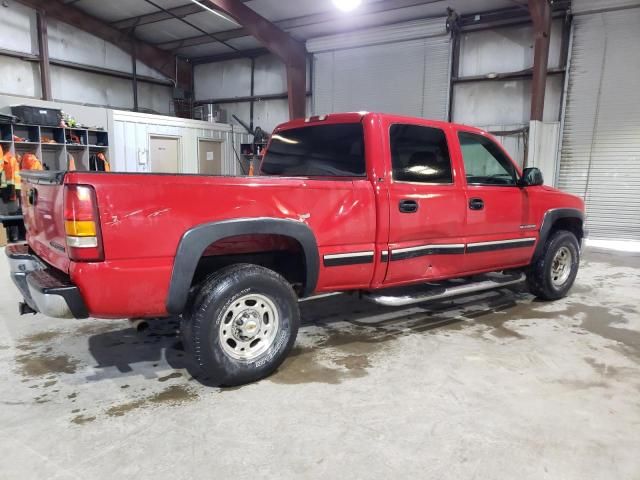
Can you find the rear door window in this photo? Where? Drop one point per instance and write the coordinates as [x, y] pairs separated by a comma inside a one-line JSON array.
[[332, 150]]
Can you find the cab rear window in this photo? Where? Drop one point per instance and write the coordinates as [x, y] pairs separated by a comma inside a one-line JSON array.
[[333, 150]]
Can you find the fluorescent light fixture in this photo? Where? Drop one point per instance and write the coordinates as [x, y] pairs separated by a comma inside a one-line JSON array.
[[347, 5], [215, 12]]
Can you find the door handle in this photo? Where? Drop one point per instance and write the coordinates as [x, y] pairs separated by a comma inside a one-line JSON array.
[[408, 206], [476, 204]]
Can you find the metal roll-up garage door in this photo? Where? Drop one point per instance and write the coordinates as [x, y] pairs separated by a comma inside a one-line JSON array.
[[600, 158], [401, 69]]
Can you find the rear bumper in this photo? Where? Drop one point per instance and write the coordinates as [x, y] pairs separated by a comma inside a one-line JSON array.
[[45, 289]]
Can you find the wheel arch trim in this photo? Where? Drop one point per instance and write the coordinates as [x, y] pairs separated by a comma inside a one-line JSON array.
[[195, 240], [549, 219]]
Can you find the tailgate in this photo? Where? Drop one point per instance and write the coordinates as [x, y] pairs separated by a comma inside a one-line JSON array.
[[43, 209]]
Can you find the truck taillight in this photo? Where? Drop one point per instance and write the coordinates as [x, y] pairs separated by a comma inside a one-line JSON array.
[[81, 224]]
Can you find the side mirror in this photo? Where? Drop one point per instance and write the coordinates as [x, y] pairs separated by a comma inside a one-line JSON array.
[[531, 177]]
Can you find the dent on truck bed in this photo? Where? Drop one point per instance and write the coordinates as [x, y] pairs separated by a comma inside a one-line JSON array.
[[197, 239]]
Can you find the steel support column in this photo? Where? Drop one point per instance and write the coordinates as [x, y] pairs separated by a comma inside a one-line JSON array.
[[540, 11], [297, 88], [134, 76], [43, 47]]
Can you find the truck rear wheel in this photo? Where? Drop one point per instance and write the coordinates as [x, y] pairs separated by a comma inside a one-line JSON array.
[[243, 323], [552, 275]]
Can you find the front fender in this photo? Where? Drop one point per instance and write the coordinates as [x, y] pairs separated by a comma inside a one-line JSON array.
[[551, 217]]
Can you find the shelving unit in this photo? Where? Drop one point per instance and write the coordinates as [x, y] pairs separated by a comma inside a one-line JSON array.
[[53, 144]]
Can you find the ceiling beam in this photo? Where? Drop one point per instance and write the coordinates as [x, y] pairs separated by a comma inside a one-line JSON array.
[[267, 33], [160, 60], [332, 16], [292, 52]]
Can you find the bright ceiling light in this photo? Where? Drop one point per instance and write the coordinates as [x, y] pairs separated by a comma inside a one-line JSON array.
[[347, 5]]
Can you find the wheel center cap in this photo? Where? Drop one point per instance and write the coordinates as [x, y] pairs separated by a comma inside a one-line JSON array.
[[248, 325]]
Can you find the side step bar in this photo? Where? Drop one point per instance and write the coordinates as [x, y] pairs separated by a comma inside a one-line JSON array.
[[401, 296]]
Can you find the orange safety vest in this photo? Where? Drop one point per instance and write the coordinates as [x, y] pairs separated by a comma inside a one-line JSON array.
[[30, 162], [11, 169]]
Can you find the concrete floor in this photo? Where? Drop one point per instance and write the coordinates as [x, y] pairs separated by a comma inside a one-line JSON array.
[[493, 386]]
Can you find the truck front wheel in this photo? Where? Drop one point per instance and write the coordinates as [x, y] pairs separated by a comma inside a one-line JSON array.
[[552, 275], [243, 323]]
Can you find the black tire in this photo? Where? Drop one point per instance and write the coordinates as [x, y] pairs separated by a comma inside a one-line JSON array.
[[201, 328], [540, 276]]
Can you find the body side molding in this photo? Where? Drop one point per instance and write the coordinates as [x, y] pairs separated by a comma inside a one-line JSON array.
[[195, 240]]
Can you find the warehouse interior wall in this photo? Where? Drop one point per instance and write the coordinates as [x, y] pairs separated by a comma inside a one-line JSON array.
[[401, 68], [504, 105], [69, 44], [231, 79], [497, 105]]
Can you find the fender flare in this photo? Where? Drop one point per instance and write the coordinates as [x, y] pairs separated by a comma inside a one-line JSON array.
[[550, 217], [195, 240]]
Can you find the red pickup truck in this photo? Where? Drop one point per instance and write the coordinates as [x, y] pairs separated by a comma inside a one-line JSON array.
[[364, 202]]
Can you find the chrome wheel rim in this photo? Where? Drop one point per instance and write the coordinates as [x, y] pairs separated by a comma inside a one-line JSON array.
[[248, 327], [561, 266]]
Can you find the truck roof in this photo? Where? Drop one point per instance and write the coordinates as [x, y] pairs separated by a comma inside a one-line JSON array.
[[352, 117]]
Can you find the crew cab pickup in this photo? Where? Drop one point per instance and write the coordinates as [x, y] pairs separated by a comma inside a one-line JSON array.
[[401, 210]]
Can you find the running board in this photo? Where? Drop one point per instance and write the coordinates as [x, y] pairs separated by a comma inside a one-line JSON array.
[[401, 296]]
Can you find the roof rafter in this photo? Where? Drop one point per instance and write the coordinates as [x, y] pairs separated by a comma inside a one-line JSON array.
[[292, 52], [290, 23], [152, 56]]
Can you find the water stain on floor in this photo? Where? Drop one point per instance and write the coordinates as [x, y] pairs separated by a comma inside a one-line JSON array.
[[124, 408], [302, 366], [341, 355], [33, 341], [81, 419], [170, 376], [38, 365], [174, 395]]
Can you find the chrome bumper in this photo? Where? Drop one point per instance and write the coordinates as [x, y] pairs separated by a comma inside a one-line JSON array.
[[44, 289]]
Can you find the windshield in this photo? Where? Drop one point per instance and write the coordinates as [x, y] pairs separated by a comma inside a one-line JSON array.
[[335, 150]]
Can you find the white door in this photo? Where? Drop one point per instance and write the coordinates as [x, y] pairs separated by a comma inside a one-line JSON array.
[[209, 157], [164, 154]]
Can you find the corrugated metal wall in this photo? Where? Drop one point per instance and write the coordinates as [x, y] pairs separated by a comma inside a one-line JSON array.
[[601, 137], [232, 78], [67, 43], [401, 69], [504, 105]]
